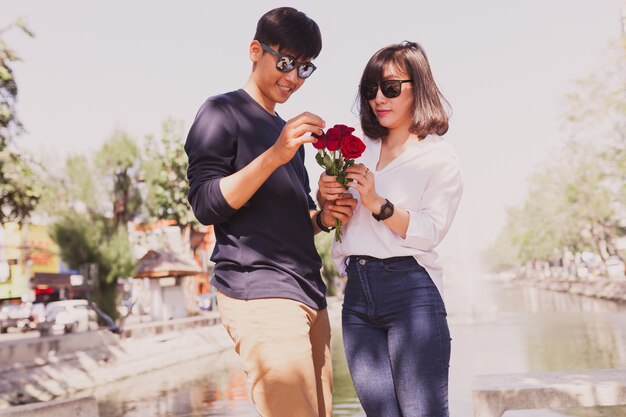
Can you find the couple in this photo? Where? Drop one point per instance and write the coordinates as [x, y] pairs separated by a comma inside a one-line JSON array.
[[247, 177]]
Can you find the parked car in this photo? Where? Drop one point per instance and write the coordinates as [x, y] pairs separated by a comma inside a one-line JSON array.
[[68, 316], [15, 316]]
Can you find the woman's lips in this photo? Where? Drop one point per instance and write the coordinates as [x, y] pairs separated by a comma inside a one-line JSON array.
[[381, 112]]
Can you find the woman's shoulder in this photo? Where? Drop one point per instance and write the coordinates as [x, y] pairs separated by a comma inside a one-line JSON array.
[[440, 147], [370, 144]]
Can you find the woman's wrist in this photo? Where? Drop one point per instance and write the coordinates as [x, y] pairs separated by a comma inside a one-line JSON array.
[[375, 206]]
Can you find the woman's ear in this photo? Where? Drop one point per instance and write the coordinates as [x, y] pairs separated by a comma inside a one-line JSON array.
[[256, 51]]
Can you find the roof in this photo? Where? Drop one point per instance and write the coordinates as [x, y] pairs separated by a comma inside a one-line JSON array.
[[159, 264]]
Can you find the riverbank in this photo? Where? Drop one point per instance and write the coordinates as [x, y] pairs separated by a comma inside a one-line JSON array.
[[611, 289], [55, 367]]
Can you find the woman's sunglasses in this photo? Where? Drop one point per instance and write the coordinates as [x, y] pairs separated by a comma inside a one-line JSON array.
[[286, 63], [390, 89]]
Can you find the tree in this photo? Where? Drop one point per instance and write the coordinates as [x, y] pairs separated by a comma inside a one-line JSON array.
[[568, 206], [86, 240], [118, 161], [19, 192], [165, 175], [577, 201], [96, 201], [596, 113]]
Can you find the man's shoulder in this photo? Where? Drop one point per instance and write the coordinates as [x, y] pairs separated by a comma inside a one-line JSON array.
[[224, 106], [230, 99]]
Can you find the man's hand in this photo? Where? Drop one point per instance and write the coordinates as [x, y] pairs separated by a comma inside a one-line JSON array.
[[295, 133], [340, 209]]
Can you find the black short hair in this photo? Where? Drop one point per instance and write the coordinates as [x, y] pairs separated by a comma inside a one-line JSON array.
[[291, 30]]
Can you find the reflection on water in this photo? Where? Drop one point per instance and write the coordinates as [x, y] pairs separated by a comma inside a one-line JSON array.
[[211, 386], [526, 329], [345, 401], [515, 330]]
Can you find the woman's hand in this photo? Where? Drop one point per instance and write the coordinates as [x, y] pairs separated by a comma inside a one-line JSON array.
[[364, 182], [329, 189]]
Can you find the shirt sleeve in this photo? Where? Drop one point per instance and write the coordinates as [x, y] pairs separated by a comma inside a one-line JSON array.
[[211, 148], [429, 223]]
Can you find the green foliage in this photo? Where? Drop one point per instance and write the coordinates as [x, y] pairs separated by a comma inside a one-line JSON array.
[[324, 244], [165, 174], [118, 162], [78, 238], [86, 240], [93, 202], [82, 184], [19, 192], [10, 125], [19, 188], [577, 200], [334, 164]]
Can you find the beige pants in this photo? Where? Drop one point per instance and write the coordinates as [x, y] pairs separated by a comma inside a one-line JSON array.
[[284, 346]]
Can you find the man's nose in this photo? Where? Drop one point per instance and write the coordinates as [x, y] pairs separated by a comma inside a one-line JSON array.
[[292, 76]]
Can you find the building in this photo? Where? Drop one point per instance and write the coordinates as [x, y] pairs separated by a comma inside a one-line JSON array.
[[24, 251], [171, 278]]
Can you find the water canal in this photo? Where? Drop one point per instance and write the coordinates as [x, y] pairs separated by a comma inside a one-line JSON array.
[[510, 329]]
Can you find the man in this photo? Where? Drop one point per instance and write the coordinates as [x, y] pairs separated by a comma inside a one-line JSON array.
[[247, 177]]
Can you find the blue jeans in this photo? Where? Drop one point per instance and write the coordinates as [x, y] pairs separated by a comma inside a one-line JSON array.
[[396, 338]]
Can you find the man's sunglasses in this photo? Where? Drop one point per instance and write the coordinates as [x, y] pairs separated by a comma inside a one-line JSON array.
[[390, 89], [286, 63]]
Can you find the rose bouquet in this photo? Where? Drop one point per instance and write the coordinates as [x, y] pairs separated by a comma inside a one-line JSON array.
[[336, 150]]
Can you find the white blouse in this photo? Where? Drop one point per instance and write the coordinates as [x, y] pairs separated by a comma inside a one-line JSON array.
[[425, 180]]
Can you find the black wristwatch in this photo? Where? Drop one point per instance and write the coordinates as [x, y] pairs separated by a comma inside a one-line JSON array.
[[386, 211], [318, 220]]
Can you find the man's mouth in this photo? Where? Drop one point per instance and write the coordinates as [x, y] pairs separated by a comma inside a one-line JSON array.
[[284, 88]]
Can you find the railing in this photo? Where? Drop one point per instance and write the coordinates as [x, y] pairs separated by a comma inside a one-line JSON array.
[[152, 328]]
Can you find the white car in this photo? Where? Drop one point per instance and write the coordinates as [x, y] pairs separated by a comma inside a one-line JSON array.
[[15, 315], [68, 316]]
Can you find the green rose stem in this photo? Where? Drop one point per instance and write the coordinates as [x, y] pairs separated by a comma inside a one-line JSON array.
[[335, 164]]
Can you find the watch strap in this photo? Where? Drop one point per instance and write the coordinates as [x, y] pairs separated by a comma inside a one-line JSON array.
[[386, 211]]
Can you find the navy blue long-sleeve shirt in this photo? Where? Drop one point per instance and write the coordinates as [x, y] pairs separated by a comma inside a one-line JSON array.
[[265, 249]]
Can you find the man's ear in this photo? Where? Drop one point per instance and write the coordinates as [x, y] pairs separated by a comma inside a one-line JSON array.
[[256, 51]]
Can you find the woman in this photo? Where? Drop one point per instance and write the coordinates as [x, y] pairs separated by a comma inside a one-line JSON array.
[[408, 186]]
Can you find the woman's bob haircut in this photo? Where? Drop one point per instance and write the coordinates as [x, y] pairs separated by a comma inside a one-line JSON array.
[[429, 114]]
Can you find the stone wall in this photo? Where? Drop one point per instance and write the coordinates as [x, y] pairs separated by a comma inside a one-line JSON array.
[[46, 368], [76, 407], [604, 288]]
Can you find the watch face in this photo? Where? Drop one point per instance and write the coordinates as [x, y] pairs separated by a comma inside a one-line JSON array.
[[386, 211]]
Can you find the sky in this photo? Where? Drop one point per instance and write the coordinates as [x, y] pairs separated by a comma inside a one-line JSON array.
[[505, 66]]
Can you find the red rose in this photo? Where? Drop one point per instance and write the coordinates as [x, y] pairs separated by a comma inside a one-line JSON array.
[[333, 139], [352, 147], [338, 137], [335, 134], [321, 140], [343, 130]]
